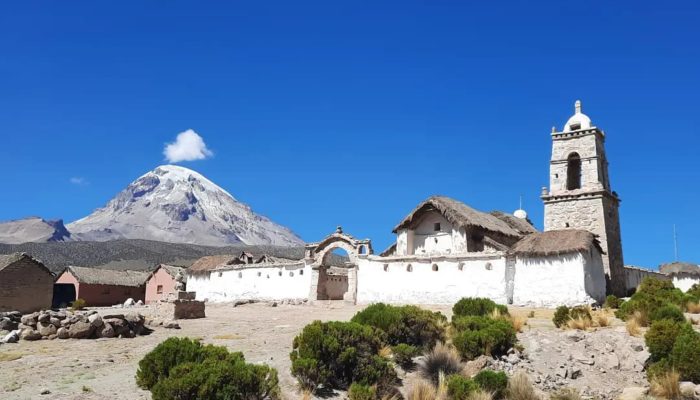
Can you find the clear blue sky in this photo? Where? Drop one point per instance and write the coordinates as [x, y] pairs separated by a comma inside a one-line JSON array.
[[332, 112]]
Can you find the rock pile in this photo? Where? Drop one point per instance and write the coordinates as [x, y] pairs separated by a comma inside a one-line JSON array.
[[72, 325]]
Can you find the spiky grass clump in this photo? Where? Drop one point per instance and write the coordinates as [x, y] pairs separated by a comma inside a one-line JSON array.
[[666, 385], [580, 323], [633, 327], [520, 388], [423, 390], [693, 307], [566, 394], [518, 322], [602, 318], [442, 359]]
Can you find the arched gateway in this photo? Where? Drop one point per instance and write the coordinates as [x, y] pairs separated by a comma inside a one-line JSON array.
[[331, 279]]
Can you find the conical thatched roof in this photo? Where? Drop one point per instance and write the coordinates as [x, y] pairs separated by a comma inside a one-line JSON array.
[[459, 215], [521, 225], [553, 243], [678, 267], [8, 259], [101, 276]]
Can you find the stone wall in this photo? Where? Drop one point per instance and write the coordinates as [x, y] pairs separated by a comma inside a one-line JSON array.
[[634, 276], [25, 286]]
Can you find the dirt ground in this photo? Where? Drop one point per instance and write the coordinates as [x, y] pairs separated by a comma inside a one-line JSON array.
[[105, 368]]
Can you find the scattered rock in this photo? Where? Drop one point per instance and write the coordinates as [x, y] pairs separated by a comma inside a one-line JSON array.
[[129, 302], [575, 336], [30, 335], [171, 325], [46, 329], [473, 367], [96, 321], [62, 333], [107, 331], [80, 330], [43, 317], [45, 391], [11, 337]]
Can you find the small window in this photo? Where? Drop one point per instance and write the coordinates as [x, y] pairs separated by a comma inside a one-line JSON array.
[[460, 266], [301, 272], [386, 267], [259, 273], [575, 126], [437, 227], [240, 274], [409, 268], [159, 289], [291, 273], [221, 274], [489, 267], [567, 224], [435, 267], [280, 273]]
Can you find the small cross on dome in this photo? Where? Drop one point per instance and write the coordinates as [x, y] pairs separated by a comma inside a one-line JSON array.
[[577, 107]]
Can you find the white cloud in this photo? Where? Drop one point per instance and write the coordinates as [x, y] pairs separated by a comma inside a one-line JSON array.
[[78, 180], [188, 146]]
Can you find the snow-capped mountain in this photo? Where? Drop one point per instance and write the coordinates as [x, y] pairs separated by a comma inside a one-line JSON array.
[[176, 204], [33, 229]]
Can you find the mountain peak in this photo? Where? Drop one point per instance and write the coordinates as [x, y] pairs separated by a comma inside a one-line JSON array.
[[176, 204]]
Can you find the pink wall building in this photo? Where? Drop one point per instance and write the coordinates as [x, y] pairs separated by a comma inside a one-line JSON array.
[[105, 287], [161, 283]]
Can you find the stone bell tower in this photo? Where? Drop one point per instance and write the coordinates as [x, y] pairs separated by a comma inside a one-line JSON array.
[[579, 195]]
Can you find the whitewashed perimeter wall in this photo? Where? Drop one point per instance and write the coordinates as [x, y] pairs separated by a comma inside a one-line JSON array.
[[261, 283], [570, 279], [422, 285], [685, 282]]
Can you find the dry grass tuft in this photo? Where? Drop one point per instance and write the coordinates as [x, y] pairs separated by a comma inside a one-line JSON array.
[[480, 395], [641, 318], [423, 390], [496, 314], [385, 352], [441, 360], [580, 323], [693, 308], [518, 322], [602, 319], [306, 394], [633, 327], [10, 356], [666, 386], [520, 388], [230, 336], [566, 394], [531, 314]]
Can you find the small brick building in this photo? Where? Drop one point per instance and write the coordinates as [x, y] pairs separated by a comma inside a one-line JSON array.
[[161, 282], [26, 285], [105, 287]]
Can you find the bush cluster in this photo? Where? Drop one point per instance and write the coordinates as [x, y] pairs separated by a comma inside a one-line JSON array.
[[404, 353], [652, 295], [613, 302], [461, 388], [337, 354], [362, 392], [78, 304], [476, 335], [405, 324], [561, 316], [477, 306], [181, 368]]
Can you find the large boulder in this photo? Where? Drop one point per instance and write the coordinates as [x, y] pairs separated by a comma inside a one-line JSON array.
[[46, 329], [62, 333], [30, 335], [136, 322], [106, 331], [129, 302], [96, 321], [7, 324], [29, 319], [11, 337], [43, 317], [80, 330], [119, 325]]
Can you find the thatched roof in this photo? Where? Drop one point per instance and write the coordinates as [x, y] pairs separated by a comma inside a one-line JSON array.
[[208, 263], [458, 214], [172, 270], [8, 259], [390, 251], [100, 276], [523, 226], [553, 243], [677, 267]]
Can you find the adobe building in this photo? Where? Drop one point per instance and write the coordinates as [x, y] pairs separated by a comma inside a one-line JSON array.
[[26, 285], [164, 283], [105, 287]]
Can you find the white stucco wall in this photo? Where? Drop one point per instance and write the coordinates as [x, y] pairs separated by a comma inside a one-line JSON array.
[[259, 283], [424, 286], [634, 277], [685, 282], [570, 280]]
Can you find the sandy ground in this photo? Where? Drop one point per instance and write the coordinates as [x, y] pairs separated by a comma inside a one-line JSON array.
[[105, 368]]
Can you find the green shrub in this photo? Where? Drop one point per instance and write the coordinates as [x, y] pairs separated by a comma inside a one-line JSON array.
[[561, 316], [652, 294], [460, 388], [157, 364], [181, 368], [493, 382], [580, 312], [336, 354], [694, 291], [406, 324], [685, 355], [661, 337], [404, 353], [78, 304], [477, 306], [612, 301], [218, 379], [658, 368], [492, 337], [668, 311], [362, 392]]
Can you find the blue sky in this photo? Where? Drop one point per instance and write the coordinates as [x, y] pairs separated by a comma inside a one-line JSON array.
[[326, 113]]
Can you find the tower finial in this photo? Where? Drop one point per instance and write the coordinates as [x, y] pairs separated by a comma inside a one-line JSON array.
[[577, 107]]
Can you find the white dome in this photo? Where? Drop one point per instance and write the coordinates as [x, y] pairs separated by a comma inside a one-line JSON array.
[[520, 213], [577, 121]]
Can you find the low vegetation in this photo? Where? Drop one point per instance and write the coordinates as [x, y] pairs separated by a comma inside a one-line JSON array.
[[666, 386], [181, 368], [520, 388], [654, 299], [475, 336], [476, 306], [78, 304], [612, 302], [409, 325], [441, 360], [404, 354]]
